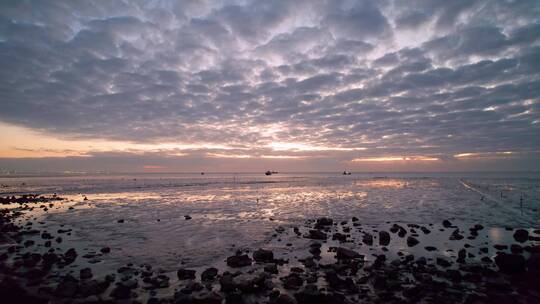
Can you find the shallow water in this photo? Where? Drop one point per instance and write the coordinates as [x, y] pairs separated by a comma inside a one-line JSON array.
[[231, 211]]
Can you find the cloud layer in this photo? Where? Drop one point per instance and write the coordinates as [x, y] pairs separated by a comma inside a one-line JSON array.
[[339, 79]]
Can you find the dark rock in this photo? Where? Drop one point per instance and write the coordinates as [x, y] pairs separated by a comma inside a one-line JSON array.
[[340, 237], [192, 287], [239, 261], [425, 230], [209, 274], [367, 239], [105, 250], [187, 217], [324, 221], [292, 281], [521, 235], [447, 224], [67, 288], [510, 263], [263, 255], [207, 298], [121, 291], [533, 264], [515, 248], [500, 247], [185, 274], [271, 268], [316, 235], [85, 273], [384, 238], [399, 229], [455, 236], [442, 262], [284, 299], [411, 241], [462, 254], [120, 221], [430, 248], [92, 287], [347, 254]]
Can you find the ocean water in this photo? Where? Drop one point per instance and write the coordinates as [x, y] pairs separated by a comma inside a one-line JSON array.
[[231, 211]]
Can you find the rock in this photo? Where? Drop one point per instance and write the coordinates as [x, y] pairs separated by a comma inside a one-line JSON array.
[[411, 241], [400, 230], [263, 255], [521, 235], [92, 287], [70, 256], [425, 230], [533, 264], [292, 281], [500, 247], [515, 248], [447, 224], [384, 238], [347, 254], [185, 274], [187, 217], [271, 268], [207, 298], [209, 274], [284, 299], [105, 250], [315, 249], [120, 221], [121, 291], [510, 263], [367, 239], [192, 287], [339, 236], [316, 235], [85, 273], [324, 221], [239, 261], [442, 262], [455, 236], [430, 248], [462, 254], [67, 288]]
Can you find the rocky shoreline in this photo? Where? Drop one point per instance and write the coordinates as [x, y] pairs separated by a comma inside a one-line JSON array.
[[323, 261]]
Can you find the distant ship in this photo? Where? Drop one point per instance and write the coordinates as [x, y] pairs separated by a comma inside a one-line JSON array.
[[346, 173]]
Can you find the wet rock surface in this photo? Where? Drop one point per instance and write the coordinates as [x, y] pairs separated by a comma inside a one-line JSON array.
[[323, 260]]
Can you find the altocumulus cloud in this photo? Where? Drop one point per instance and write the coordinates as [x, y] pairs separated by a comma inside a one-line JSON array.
[[347, 81]]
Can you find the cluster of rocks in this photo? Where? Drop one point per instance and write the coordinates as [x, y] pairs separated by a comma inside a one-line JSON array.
[[325, 261]]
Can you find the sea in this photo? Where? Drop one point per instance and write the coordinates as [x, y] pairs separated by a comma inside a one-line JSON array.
[[195, 219]]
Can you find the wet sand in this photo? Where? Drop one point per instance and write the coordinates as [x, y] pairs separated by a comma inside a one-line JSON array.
[[320, 261]]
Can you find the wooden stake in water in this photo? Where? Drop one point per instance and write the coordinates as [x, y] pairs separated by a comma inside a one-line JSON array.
[[521, 203]]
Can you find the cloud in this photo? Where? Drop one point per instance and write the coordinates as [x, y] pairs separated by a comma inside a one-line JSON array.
[[334, 74]]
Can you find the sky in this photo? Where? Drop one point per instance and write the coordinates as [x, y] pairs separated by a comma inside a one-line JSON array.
[[243, 86]]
